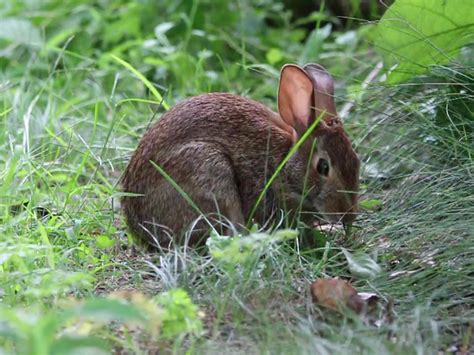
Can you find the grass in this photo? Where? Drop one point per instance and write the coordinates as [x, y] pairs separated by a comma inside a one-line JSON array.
[[70, 118]]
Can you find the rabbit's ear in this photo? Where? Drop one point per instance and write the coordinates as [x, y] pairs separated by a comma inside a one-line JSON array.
[[323, 91], [295, 97]]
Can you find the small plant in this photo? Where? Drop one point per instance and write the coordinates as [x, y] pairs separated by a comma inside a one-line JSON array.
[[180, 315], [243, 249], [78, 327]]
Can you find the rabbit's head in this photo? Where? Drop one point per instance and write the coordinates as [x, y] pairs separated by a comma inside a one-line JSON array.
[[324, 172]]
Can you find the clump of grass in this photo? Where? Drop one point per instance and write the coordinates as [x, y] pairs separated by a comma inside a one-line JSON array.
[[422, 233]]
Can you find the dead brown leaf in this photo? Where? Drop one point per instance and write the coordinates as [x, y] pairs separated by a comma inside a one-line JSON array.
[[340, 295]]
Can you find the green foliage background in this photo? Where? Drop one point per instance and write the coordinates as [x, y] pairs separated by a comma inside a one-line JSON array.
[[81, 80]]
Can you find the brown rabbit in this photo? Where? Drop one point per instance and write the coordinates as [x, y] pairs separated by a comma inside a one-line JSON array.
[[220, 150]]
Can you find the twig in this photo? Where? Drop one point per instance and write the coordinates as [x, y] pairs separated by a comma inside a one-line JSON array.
[[349, 105]]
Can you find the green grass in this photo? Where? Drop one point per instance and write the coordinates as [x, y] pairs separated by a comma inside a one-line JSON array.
[[70, 117]]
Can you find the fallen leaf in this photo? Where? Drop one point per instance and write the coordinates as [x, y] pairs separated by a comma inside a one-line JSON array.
[[371, 301], [368, 296], [361, 265], [371, 204], [340, 295]]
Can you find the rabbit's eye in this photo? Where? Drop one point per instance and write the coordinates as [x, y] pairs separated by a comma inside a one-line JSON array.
[[323, 167]]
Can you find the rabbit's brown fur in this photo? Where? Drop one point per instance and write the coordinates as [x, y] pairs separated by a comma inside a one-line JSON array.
[[221, 149]]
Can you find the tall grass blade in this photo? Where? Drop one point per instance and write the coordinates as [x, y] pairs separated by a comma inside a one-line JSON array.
[[282, 164], [144, 80]]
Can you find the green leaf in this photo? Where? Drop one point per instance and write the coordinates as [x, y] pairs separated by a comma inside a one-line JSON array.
[[274, 56], [104, 242], [241, 249], [19, 31], [7, 331], [370, 204], [285, 234], [180, 315], [414, 34], [79, 345], [361, 265]]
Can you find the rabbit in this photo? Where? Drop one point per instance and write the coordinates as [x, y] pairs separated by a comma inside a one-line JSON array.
[[220, 149]]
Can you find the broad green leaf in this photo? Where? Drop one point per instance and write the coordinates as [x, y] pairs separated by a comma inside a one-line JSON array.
[[19, 31], [414, 34], [79, 345], [274, 55], [104, 242], [361, 265], [370, 204], [7, 331]]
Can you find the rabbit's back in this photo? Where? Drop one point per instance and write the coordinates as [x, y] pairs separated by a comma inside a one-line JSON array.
[[228, 120]]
